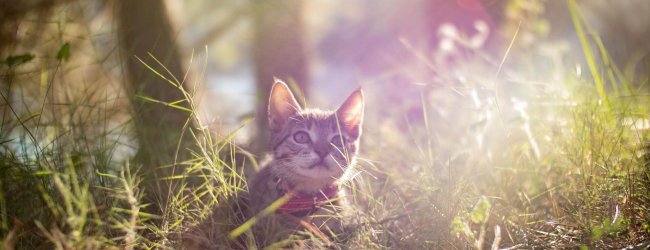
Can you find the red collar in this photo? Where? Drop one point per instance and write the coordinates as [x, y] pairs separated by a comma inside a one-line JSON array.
[[304, 203]]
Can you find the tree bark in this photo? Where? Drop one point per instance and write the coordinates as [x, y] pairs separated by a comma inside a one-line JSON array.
[[144, 27], [279, 51]]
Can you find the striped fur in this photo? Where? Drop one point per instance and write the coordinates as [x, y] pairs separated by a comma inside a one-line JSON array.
[[311, 150]]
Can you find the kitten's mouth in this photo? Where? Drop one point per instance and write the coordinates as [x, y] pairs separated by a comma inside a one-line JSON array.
[[319, 163]]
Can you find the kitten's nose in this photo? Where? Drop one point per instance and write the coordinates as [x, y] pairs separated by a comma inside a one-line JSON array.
[[322, 151]]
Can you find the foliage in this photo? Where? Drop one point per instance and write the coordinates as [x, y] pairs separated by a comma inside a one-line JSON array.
[[464, 161]]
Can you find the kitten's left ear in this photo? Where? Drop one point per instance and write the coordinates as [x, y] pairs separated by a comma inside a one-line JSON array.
[[350, 114]]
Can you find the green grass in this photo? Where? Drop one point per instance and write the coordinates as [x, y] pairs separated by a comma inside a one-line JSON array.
[[556, 164]]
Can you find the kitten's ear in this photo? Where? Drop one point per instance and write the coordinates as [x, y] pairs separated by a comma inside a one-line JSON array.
[[350, 114], [282, 105]]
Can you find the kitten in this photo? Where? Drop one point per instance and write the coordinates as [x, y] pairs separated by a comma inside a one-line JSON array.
[[312, 150]]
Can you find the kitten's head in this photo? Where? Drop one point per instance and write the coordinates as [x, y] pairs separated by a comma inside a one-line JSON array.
[[312, 146]]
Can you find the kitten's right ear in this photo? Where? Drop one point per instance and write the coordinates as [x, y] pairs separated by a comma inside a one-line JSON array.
[[351, 113], [282, 105]]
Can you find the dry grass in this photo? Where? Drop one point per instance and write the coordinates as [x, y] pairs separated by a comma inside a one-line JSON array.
[[450, 161]]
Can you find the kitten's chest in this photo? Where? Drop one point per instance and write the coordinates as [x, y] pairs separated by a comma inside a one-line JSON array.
[[289, 200], [292, 209], [269, 190]]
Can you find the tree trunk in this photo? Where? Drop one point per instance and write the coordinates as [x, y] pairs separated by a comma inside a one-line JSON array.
[[279, 51], [145, 28]]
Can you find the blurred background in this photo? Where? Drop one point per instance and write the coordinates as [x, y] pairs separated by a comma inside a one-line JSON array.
[[525, 102], [230, 51]]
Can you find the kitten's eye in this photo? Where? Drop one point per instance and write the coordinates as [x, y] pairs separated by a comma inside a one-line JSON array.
[[301, 137], [338, 140]]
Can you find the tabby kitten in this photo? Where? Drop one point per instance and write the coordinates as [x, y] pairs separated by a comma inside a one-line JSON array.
[[311, 151]]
